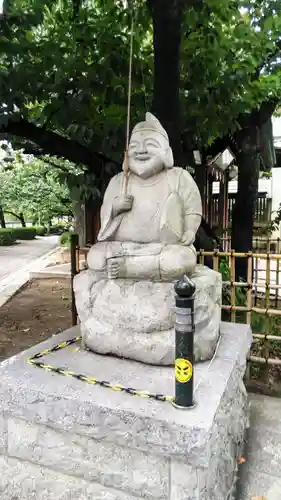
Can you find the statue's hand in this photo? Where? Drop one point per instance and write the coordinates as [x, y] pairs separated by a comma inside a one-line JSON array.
[[116, 268], [122, 204]]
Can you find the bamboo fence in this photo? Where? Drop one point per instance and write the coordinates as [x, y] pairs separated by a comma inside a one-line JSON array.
[[261, 298], [260, 244]]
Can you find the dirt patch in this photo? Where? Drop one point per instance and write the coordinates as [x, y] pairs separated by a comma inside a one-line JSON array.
[[39, 310]]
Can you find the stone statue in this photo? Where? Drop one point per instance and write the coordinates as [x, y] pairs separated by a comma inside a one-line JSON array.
[[148, 232], [149, 222]]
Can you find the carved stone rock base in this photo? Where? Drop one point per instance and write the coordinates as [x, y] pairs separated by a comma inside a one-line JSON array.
[[135, 319]]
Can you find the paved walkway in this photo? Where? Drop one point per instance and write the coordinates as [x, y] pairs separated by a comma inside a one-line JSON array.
[[17, 261], [14, 257], [260, 477]]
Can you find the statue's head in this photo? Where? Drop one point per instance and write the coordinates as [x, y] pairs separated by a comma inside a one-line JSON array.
[[149, 148]]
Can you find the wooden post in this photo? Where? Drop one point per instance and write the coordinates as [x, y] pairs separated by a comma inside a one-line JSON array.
[[92, 221], [225, 211], [265, 371], [277, 274], [221, 209], [209, 208], [249, 289], [249, 304], [74, 259], [232, 287]]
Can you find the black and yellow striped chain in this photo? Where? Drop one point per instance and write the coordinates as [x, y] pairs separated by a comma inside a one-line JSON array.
[[85, 378]]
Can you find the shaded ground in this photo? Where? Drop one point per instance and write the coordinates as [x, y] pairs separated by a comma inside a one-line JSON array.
[[39, 310]]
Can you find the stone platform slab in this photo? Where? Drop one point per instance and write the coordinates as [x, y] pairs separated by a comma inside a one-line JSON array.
[[57, 271], [61, 438]]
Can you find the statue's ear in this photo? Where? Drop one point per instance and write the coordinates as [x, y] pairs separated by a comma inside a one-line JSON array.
[[168, 158]]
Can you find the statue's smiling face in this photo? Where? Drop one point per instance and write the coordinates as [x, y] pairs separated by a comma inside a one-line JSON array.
[[147, 150]]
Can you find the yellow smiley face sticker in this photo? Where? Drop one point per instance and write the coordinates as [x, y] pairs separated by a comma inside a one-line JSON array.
[[183, 370]]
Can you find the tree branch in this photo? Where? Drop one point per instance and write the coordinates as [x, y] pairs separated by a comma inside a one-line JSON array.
[[43, 158], [19, 217], [56, 145], [269, 58], [256, 118]]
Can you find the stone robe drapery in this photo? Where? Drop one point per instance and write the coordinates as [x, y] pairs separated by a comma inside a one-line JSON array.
[[166, 209]]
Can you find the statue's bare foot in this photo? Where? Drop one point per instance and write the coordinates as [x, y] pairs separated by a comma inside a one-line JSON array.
[[116, 268]]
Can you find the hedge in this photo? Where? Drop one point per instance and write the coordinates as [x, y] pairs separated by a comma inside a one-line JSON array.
[[7, 237], [59, 228], [65, 239], [40, 230], [24, 233]]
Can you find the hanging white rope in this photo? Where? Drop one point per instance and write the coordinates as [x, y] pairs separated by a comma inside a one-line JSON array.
[[130, 80], [126, 159]]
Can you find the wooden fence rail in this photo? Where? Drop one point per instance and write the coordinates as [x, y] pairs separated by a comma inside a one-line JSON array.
[[262, 213]]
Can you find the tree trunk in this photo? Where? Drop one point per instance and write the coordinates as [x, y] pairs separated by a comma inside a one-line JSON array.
[[248, 161], [200, 177], [2, 218], [79, 221], [167, 16], [92, 220], [22, 220], [20, 217]]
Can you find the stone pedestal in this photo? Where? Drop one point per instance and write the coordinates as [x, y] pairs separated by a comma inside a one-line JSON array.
[[134, 318], [61, 438]]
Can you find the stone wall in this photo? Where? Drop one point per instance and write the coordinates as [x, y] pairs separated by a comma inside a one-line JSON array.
[[62, 439]]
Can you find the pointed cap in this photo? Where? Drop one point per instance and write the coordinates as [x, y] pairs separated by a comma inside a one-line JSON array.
[[152, 124]]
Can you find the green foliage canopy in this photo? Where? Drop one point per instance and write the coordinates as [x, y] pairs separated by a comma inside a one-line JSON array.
[[34, 189], [230, 64], [70, 74], [64, 67]]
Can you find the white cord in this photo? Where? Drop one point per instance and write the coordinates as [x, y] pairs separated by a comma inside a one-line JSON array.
[[126, 159], [130, 79], [209, 366]]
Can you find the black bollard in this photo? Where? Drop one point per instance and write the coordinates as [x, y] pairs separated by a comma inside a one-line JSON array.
[[184, 349]]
